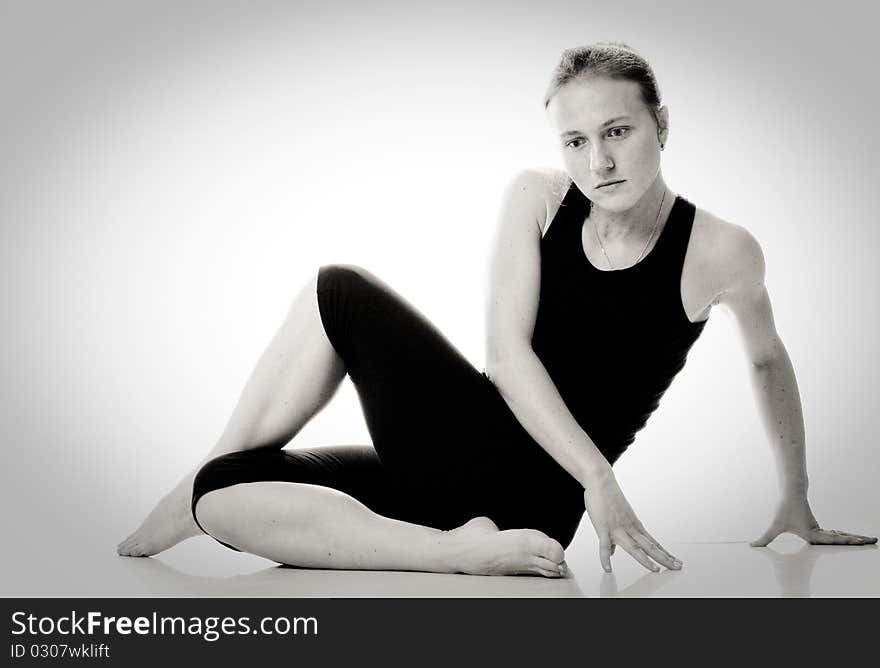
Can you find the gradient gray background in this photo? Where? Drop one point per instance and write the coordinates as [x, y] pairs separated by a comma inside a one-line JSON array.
[[171, 173]]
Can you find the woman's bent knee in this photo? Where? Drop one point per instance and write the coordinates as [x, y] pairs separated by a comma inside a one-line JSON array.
[[341, 289], [220, 473], [208, 511], [339, 274], [217, 513], [350, 280]]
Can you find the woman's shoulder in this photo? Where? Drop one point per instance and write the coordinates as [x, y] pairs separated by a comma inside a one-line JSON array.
[[714, 237], [720, 249], [549, 186]]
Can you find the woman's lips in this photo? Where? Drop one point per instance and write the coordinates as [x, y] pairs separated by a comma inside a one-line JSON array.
[[609, 184]]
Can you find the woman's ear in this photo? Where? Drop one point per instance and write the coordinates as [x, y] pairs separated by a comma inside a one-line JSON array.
[[662, 126]]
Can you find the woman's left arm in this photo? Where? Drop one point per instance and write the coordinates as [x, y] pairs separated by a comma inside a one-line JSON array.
[[776, 392]]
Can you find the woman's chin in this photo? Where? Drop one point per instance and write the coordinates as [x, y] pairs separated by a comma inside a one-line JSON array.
[[612, 202]]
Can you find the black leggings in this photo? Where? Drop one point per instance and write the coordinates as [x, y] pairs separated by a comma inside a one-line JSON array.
[[446, 447]]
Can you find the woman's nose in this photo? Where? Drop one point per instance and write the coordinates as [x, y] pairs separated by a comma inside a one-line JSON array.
[[600, 161]]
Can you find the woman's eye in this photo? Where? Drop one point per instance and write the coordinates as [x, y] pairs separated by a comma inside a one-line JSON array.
[[574, 143], [617, 133]]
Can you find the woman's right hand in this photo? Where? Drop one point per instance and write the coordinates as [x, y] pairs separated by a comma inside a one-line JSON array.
[[616, 524]]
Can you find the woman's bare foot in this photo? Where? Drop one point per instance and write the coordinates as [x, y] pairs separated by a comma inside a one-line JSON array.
[[169, 523], [481, 549]]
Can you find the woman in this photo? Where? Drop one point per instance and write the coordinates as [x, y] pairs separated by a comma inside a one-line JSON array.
[[601, 281]]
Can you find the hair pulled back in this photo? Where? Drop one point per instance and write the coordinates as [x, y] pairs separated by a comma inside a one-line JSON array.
[[614, 60]]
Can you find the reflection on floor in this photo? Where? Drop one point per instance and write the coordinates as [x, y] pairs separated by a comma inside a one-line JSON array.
[[200, 567]]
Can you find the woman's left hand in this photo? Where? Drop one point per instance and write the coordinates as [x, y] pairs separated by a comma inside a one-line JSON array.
[[794, 516]]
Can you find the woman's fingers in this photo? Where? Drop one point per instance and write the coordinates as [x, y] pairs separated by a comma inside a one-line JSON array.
[[817, 536], [654, 550], [630, 545], [606, 549], [833, 537], [869, 540], [641, 546], [655, 542]]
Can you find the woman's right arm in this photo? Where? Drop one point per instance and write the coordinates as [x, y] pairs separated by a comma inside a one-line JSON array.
[[526, 387]]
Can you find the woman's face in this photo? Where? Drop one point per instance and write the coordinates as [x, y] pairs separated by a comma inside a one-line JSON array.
[[609, 139]]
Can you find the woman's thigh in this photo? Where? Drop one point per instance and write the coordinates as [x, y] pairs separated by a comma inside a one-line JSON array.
[[355, 470], [425, 405], [437, 422]]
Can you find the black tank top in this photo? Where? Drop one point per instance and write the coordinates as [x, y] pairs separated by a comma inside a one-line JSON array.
[[612, 341]]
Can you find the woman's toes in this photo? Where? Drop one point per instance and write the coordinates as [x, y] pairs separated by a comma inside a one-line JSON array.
[[546, 573], [546, 567], [544, 546], [556, 552]]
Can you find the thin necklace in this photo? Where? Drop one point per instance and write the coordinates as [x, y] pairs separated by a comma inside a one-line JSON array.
[[647, 243]]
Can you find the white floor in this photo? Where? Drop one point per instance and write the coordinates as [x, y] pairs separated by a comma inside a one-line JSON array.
[[201, 567]]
